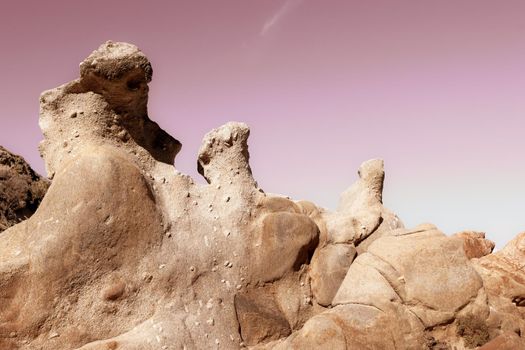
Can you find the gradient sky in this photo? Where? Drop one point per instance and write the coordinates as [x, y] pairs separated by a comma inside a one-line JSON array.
[[435, 88]]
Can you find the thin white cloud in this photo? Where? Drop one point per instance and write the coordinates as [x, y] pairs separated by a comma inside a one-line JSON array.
[[279, 15]]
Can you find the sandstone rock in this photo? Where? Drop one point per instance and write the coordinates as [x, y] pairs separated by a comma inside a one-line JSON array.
[[360, 219], [424, 272], [505, 341], [504, 281], [359, 211], [21, 189], [475, 244], [260, 318], [329, 267], [125, 252], [124, 241]]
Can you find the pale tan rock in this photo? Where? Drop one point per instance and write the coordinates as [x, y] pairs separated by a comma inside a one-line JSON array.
[[329, 267], [125, 252], [359, 210], [125, 242], [505, 341], [389, 222], [504, 282], [360, 219]]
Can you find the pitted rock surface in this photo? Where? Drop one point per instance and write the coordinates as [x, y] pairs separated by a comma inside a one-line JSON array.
[[126, 252]]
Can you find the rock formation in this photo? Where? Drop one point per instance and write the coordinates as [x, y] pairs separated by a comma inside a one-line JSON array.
[[125, 252], [21, 189]]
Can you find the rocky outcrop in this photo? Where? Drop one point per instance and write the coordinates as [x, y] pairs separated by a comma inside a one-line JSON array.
[[475, 244], [21, 189], [125, 252]]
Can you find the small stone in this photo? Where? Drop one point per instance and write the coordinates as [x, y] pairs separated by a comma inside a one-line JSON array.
[[239, 286], [192, 268], [210, 322], [217, 341], [226, 263], [12, 335], [73, 115], [227, 199], [53, 335], [161, 266]]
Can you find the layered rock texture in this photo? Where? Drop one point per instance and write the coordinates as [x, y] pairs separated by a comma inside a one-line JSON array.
[[125, 252]]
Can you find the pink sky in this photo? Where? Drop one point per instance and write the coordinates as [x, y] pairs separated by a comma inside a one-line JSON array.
[[435, 88]]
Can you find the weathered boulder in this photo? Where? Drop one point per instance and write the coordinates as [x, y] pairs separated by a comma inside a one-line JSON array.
[[328, 270], [21, 189], [125, 252], [474, 244], [124, 241], [359, 220]]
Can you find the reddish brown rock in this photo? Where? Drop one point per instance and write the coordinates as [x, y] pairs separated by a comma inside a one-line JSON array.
[[475, 244], [21, 189]]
